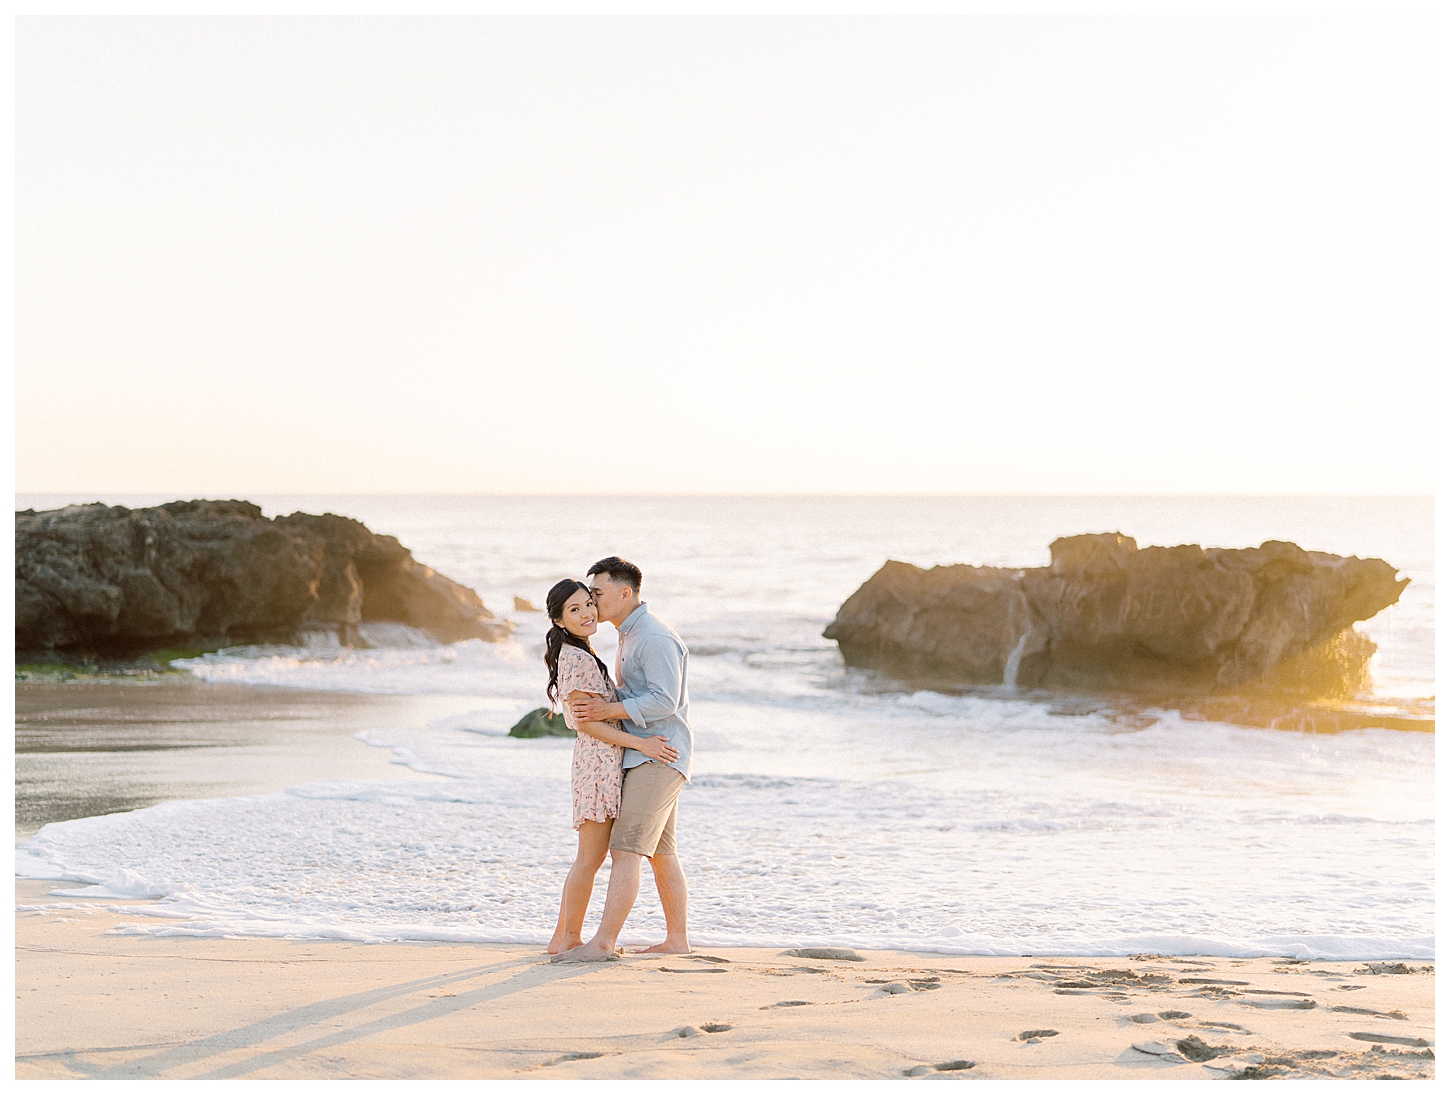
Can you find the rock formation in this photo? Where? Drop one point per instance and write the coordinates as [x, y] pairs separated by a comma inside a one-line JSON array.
[[1107, 615], [113, 581], [541, 723]]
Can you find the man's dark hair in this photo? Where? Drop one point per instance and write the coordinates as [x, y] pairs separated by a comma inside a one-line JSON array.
[[619, 571]]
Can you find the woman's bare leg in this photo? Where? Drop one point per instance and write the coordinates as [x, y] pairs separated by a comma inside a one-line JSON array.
[[579, 885]]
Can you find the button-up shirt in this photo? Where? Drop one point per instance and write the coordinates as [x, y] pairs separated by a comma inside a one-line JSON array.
[[652, 687]]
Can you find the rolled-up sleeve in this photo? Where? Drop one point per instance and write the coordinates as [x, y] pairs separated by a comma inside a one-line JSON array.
[[663, 666]]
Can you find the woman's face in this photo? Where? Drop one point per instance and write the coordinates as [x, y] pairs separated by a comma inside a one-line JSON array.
[[579, 618]]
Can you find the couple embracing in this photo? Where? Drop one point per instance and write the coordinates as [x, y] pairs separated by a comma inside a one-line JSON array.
[[631, 756]]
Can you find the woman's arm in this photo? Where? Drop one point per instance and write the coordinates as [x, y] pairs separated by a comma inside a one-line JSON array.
[[656, 748]]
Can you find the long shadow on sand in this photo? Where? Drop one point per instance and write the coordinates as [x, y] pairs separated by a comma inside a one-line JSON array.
[[532, 975]]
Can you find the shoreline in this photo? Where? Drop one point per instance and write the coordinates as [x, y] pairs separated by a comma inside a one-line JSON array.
[[198, 740], [90, 747], [156, 917], [275, 1008]]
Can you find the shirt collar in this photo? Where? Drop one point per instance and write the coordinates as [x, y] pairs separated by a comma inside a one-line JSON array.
[[632, 619]]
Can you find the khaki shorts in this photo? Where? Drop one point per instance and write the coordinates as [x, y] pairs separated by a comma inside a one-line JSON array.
[[646, 822]]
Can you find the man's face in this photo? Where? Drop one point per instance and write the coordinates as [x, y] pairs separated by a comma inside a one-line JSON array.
[[613, 600]]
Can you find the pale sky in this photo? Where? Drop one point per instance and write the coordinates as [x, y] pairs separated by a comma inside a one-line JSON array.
[[1179, 253]]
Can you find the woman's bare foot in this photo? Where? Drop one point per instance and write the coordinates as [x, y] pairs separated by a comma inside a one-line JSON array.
[[559, 944], [587, 952], [669, 946]]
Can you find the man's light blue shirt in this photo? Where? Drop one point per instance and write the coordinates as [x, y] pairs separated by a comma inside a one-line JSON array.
[[652, 686]]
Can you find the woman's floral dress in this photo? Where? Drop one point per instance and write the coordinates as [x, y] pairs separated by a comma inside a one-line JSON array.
[[598, 769]]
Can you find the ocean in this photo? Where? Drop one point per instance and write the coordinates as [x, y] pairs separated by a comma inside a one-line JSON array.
[[829, 806]]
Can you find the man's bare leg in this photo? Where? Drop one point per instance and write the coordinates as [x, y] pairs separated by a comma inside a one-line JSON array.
[[675, 898], [624, 874]]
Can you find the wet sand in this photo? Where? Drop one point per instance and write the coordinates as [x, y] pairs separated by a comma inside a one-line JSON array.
[[99, 1005], [85, 748]]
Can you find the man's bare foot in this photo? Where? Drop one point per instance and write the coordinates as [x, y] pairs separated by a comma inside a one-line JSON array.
[[558, 946], [667, 947], [587, 952]]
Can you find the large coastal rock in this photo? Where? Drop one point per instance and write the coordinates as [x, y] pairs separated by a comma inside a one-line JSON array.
[[1108, 615], [113, 581]]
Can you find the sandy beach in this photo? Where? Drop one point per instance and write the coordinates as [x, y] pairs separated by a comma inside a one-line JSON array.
[[101, 1005]]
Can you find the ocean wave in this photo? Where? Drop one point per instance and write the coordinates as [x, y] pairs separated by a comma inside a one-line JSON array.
[[472, 667], [774, 860], [794, 678]]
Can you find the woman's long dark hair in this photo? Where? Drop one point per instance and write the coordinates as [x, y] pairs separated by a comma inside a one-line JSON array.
[[558, 635]]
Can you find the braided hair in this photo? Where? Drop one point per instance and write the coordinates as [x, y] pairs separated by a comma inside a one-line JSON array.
[[559, 635]]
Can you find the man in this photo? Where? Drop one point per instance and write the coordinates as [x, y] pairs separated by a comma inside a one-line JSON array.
[[653, 699]]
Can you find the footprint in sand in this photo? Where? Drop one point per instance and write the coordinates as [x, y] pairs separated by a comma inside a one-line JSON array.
[[1208, 981], [945, 1066], [1386, 967], [1196, 1049], [673, 969], [1160, 1051], [1370, 1011], [1393, 1039], [1281, 1003], [789, 1004], [1031, 1036], [897, 987], [572, 1057], [838, 954], [1246, 1069]]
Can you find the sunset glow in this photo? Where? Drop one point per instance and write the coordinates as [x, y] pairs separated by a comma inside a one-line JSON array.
[[987, 254]]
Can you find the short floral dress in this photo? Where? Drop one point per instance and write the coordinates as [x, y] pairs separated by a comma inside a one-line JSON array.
[[598, 770]]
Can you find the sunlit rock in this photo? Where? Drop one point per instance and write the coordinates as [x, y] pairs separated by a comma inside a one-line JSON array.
[[115, 581], [1106, 614]]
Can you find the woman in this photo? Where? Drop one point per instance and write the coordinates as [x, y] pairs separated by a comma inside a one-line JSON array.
[[598, 771]]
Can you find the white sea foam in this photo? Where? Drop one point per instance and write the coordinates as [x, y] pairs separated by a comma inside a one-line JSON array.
[[1039, 850], [412, 667]]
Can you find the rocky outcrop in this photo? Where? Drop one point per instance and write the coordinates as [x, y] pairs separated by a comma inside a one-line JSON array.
[[1108, 615], [541, 723], [113, 581]]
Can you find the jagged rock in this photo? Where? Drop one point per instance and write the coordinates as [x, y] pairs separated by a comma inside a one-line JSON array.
[[959, 623], [541, 723], [1106, 614], [115, 581]]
